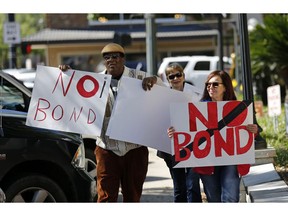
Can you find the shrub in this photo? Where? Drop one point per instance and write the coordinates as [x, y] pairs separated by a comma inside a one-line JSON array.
[[274, 132]]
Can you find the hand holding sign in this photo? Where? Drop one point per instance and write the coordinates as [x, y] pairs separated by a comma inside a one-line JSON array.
[[213, 133]]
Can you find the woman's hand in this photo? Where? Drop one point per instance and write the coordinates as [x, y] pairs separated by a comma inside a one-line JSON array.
[[170, 132], [253, 128]]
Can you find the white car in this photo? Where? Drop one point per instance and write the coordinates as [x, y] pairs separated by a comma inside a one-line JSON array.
[[27, 76], [196, 68]]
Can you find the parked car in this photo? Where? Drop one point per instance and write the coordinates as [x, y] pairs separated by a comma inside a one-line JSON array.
[[89, 140], [38, 165], [196, 68], [27, 76]]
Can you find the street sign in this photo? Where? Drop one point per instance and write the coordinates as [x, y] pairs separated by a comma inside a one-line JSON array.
[[274, 100], [11, 33]]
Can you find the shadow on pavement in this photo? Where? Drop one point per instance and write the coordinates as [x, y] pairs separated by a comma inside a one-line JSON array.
[[161, 194]]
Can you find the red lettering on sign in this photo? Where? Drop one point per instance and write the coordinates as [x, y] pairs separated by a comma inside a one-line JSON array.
[[60, 79], [221, 144], [57, 113], [74, 114], [58, 107], [202, 150], [245, 148], [181, 146], [201, 153], [82, 91], [194, 113], [91, 116], [238, 119], [40, 103]]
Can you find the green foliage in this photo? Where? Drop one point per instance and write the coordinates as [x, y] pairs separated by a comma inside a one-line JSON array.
[[269, 43], [29, 24], [275, 136], [268, 49]]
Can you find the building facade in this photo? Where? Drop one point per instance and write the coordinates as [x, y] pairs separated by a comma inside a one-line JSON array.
[[77, 39]]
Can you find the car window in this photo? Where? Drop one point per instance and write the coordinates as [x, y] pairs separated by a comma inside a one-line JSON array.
[[202, 65], [227, 66], [182, 63], [10, 96]]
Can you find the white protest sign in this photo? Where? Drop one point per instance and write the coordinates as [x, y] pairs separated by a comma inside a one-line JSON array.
[[274, 100], [72, 101], [212, 133], [143, 117]]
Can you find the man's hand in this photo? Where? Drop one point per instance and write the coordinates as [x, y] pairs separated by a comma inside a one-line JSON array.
[[170, 131], [64, 67], [148, 82]]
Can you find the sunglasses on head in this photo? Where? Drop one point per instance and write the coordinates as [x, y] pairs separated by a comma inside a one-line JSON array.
[[214, 84], [112, 55], [172, 76]]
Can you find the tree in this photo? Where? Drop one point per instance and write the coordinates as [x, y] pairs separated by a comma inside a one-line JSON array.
[[29, 24], [268, 46]]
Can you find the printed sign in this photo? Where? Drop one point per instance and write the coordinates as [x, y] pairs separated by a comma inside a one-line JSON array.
[[73, 101], [274, 100], [212, 133], [11, 31]]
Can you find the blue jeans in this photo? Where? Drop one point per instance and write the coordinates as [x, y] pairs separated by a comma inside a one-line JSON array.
[[186, 184], [223, 185]]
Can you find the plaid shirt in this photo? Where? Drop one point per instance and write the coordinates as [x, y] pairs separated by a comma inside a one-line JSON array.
[[118, 147]]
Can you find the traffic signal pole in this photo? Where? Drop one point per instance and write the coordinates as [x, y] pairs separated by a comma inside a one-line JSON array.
[[12, 47], [151, 44], [260, 142]]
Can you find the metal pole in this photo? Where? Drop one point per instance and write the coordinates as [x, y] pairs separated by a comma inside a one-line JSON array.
[[12, 47], [236, 51], [151, 45], [245, 58], [220, 45], [260, 142]]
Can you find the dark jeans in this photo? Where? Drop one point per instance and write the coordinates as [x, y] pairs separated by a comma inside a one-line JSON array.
[[223, 185], [186, 184]]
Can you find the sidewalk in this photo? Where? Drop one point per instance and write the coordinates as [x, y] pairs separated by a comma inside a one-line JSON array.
[[158, 186]]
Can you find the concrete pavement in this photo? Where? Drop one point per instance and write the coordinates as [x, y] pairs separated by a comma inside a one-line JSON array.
[[158, 186]]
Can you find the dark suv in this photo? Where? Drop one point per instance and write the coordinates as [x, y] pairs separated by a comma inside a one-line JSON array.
[[38, 165]]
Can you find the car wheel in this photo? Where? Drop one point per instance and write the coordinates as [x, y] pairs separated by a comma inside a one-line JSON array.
[[35, 188]]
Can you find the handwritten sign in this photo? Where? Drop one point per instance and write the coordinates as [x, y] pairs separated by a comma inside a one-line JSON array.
[[72, 101], [212, 133]]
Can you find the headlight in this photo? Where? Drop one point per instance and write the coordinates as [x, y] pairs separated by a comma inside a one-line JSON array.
[[2, 196], [79, 157]]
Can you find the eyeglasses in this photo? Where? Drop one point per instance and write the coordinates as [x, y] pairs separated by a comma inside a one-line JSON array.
[[112, 55], [172, 76], [214, 84]]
